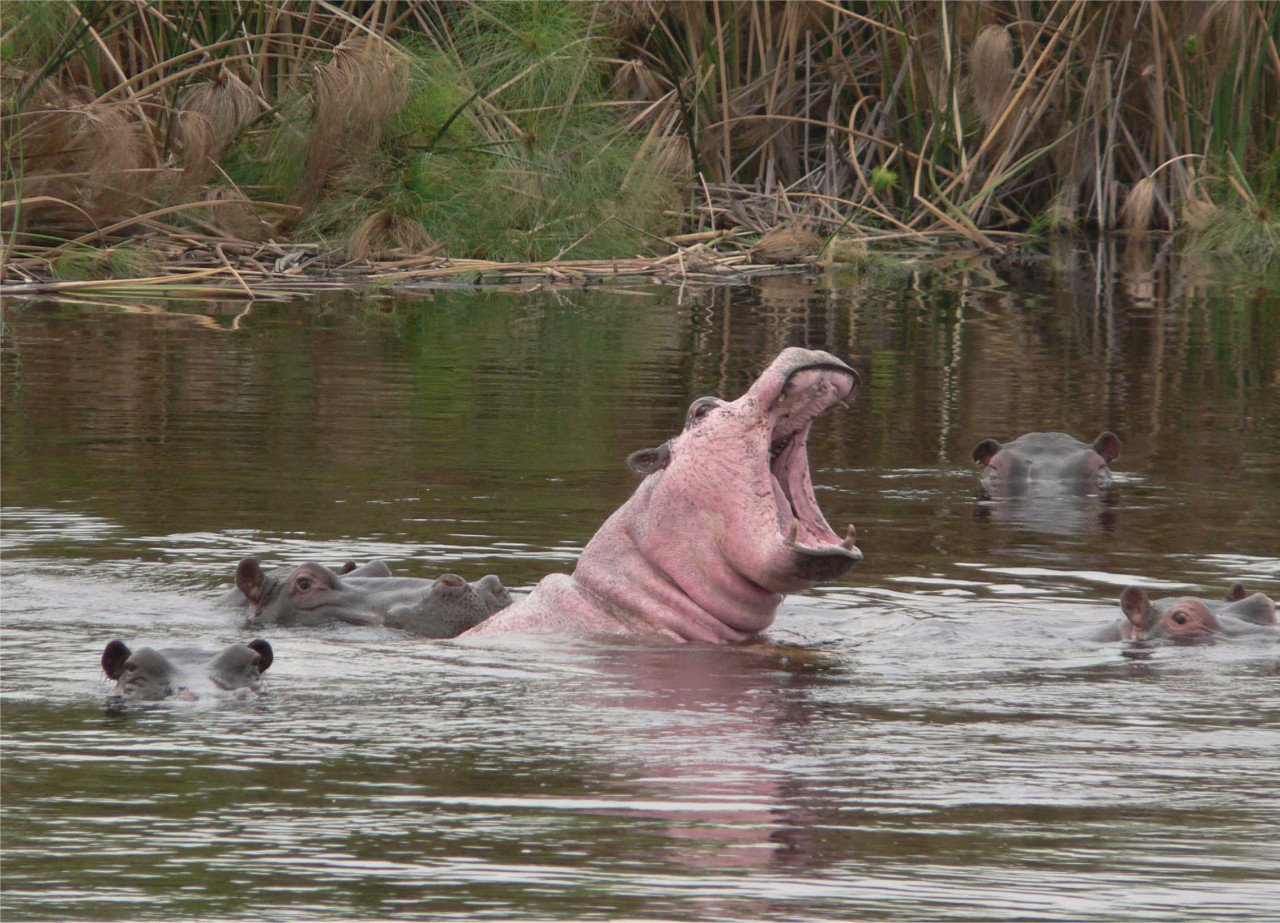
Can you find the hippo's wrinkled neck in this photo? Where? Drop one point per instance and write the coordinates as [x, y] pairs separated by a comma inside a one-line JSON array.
[[631, 558]]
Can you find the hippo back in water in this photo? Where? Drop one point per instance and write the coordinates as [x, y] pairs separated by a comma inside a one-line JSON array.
[[1190, 619], [1046, 459], [149, 675]]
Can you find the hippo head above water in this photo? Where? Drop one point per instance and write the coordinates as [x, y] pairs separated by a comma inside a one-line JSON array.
[[149, 675], [1046, 458], [1191, 619], [312, 594], [724, 524]]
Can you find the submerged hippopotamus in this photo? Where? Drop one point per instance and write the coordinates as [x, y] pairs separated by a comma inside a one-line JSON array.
[[724, 524], [148, 674], [374, 568], [1190, 618], [1037, 459], [312, 594]]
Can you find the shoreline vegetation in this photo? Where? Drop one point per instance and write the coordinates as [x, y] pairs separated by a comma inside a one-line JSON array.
[[253, 149]]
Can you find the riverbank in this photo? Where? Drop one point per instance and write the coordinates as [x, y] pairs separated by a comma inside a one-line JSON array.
[[529, 142], [235, 269]]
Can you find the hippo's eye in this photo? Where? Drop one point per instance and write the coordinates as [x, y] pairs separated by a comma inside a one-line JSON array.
[[131, 667], [303, 584], [699, 409], [1180, 618]]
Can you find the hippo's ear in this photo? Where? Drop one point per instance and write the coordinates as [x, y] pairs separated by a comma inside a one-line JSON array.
[[1236, 593], [647, 461], [347, 568], [113, 658], [985, 450], [249, 578], [1137, 607], [1108, 446], [265, 655]]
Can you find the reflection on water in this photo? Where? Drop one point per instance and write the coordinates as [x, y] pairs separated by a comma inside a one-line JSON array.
[[931, 738]]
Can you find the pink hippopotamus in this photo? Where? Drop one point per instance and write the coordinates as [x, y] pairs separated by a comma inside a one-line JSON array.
[[723, 525], [1190, 619]]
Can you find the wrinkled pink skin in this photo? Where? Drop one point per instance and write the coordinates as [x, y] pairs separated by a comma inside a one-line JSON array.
[[702, 549], [1189, 619]]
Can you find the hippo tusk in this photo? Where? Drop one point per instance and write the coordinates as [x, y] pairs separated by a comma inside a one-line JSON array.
[[849, 536], [791, 534]]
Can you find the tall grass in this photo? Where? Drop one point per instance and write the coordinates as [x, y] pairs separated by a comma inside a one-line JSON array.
[[535, 130], [975, 118], [377, 128]]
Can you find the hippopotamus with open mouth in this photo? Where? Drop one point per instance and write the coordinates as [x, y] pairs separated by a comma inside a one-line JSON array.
[[149, 675], [1040, 459], [1190, 619], [723, 525], [312, 594]]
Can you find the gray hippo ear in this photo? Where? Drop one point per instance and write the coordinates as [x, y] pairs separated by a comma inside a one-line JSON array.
[[1137, 607], [347, 568], [249, 578], [265, 655], [1236, 593], [113, 658], [647, 461], [985, 450], [1108, 446]]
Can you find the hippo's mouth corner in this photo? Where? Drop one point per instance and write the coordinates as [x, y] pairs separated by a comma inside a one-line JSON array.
[[811, 391]]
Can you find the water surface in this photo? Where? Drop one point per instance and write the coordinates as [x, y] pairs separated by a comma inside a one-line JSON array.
[[932, 737]]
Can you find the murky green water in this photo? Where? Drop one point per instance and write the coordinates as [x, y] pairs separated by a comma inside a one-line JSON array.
[[933, 740]]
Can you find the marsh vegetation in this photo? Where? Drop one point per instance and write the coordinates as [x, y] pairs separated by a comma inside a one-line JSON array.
[[143, 136]]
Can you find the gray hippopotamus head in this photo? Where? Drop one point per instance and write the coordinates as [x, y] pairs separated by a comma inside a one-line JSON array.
[[450, 606], [149, 675], [1190, 619], [312, 594], [1035, 459], [234, 598]]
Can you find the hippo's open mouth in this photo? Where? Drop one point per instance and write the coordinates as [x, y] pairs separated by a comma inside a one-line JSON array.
[[810, 391]]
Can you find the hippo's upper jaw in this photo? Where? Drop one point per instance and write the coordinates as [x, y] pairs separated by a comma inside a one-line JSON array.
[[724, 524]]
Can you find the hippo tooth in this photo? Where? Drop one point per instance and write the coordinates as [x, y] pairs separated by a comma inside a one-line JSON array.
[[791, 534], [849, 537]]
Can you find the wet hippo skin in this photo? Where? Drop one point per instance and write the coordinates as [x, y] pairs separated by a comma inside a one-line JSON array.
[[1190, 619], [724, 524], [1036, 459], [234, 598], [149, 675], [312, 594]]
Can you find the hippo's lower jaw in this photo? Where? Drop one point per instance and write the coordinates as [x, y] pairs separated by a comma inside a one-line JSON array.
[[817, 553]]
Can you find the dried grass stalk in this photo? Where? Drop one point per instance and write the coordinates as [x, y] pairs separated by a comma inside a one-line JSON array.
[[384, 234], [1138, 211], [93, 156], [787, 245], [355, 93], [991, 72], [238, 216], [214, 113]]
